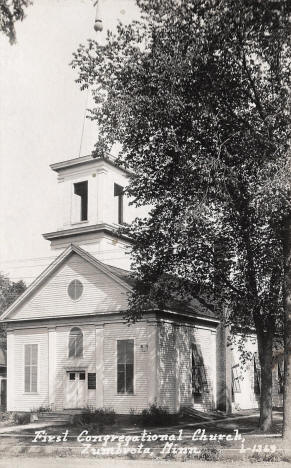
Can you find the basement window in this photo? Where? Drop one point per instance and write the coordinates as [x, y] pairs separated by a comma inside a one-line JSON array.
[[80, 202], [118, 194]]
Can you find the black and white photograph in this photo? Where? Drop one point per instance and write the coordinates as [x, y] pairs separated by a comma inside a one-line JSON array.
[[145, 240]]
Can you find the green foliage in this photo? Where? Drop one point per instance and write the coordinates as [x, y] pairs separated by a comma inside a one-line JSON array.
[[156, 416], [12, 11]]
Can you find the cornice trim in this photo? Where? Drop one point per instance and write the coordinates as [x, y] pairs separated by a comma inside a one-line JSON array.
[[103, 227]]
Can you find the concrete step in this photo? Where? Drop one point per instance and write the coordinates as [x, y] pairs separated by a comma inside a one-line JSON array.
[[59, 417], [200, 415]]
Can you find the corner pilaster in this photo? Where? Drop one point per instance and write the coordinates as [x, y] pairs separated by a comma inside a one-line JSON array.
[[99, 367], [52, 367]]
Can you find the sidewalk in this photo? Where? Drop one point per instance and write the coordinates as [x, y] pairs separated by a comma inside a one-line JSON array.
[[34, 425]]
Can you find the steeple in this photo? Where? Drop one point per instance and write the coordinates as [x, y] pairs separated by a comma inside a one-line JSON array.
[[93, 207]]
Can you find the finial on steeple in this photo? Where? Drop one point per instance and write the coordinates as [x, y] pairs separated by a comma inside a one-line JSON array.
[[98, 26]]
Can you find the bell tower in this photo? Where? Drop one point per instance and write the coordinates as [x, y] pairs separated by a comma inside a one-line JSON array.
[[92, 208]]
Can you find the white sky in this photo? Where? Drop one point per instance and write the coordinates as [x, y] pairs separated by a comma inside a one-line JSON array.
[[41, 117]]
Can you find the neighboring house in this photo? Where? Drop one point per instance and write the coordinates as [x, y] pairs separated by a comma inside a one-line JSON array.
[[67, 342]]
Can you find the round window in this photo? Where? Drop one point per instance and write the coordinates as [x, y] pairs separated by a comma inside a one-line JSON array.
[[75, 289]]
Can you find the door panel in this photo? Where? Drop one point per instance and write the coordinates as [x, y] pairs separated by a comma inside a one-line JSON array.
[[76, 390], [81, 397]]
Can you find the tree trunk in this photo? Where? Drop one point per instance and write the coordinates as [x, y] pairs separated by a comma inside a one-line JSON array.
[[266, 356], [287, 336]]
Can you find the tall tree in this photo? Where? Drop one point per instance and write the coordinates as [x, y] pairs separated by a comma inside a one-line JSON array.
[[12, 11], [195, 92], [9, 292], [287, 334]]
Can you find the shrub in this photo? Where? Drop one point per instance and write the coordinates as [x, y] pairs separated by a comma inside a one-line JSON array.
[[21, 418], [43, 409], [101, 416], [277, 456], [210, 454], [5, 416], [156, 416]]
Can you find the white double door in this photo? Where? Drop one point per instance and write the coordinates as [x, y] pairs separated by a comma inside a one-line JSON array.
[[76, 389]]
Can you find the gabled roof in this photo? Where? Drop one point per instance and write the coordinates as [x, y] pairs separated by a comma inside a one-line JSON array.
[[122, 277], [114, 274]]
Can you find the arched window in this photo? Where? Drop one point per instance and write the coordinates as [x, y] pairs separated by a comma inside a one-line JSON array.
[[76, 343]]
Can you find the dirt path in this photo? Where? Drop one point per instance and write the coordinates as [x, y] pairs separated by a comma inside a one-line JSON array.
[[88, 463]]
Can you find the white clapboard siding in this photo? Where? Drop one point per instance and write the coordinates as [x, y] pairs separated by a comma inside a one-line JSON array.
[[175, 366], [167, 366], [246, 398], [123, 404], [206, 339], [19, 400], [101, 293]]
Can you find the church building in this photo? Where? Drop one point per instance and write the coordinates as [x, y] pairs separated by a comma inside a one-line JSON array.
[[68, 344]]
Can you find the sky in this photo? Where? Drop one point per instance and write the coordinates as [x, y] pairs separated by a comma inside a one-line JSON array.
[[41, 118]]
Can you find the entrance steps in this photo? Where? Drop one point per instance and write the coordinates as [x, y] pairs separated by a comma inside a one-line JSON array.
[[200, 415], [58, 417]]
